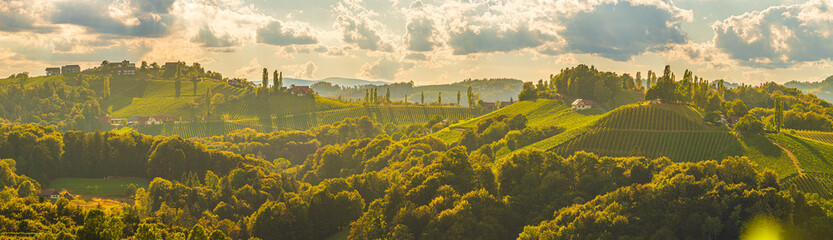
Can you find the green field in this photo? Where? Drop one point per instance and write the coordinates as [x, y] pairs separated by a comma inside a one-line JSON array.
[[814, 156], [539, 113], [766, 155], [825, 137], [97, 187]]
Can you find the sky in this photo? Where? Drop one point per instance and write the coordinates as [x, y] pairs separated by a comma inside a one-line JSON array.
[[427, 41]]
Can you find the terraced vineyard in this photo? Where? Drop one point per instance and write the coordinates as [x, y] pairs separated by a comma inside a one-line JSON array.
[[818, 183], [677, 145], [674, 131], [660, 117], [146, 107], [825, 137], [812, 155]]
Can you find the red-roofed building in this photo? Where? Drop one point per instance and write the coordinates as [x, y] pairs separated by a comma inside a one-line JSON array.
[[299, 90]]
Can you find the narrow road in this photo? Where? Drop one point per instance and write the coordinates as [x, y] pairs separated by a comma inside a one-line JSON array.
[[795, 161]]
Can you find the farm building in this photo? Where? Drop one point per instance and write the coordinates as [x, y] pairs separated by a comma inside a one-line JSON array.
[[581, 104], [53, 71], [129, 69], [69, 69], [299, 90]]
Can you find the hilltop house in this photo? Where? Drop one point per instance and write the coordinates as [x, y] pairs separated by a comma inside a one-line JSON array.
[[53, 71], [581, 104], [69, 69], [128, 69], [299, 90]]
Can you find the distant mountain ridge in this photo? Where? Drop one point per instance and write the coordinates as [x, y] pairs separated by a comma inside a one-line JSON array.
[[822, 89], [345, 82]]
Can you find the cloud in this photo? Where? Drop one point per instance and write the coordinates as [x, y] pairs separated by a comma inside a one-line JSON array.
[[624, 29], [495, 26], [117, 18], [303, 71], [384, 68], [208, 38], [17, 16], [495, 39], [421, 35], [358, 29], [416, 57], [253, 70], [275, 33], [701, 53], [155, 6], [779, 37]]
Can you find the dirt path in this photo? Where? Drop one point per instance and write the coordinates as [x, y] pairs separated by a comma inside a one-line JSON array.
[[795, 161]]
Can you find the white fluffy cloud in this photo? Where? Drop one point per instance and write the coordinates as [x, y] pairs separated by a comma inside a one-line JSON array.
[[620, 30], [275, 33], [357, 28], [303, 71], [253, 69], [208, 38], [384, 68], [780, 36]]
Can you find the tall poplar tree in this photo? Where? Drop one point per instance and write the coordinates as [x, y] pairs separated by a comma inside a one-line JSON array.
[[265, 82]]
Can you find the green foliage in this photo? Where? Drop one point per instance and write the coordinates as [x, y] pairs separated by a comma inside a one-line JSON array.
[[637, 211], [588, 83], [749, 125], [99, 226]]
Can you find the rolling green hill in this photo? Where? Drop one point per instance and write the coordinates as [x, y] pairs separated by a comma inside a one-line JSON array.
[[674, 131], [539, 113], [812, 155]]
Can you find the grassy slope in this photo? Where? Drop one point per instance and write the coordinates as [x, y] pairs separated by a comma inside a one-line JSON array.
[[677, 132], [766, 155], [539, 113], [814, 156], [825, 137]]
